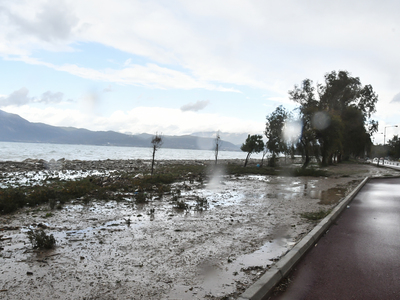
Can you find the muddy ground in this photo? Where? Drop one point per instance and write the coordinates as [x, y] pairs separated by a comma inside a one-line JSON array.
[[214, 249]]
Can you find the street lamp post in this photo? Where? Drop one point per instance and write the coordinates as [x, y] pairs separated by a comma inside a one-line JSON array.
[[384, 141], [384, 134]]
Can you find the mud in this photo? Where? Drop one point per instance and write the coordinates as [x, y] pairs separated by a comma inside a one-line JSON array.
[[212, 249]]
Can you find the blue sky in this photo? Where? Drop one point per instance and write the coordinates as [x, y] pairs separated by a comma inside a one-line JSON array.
[[179, 67]]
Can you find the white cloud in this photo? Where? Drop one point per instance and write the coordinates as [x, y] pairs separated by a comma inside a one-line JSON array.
[[396, 98], [17, 98], [20, 97], [51, 23], [250, 43], [150, 75], [50, 97], [186, 45], [198, 105], [139, 120]]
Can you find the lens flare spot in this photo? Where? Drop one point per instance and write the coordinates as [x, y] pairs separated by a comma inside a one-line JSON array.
[[321, 120], [292, 131]]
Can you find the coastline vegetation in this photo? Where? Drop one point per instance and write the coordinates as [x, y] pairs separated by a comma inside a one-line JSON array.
[[141, 188]]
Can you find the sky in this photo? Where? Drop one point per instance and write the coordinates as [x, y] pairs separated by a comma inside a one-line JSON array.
[[177, 67]]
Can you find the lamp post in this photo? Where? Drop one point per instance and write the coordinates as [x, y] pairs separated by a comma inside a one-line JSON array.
[[384, 140], [384, 134]]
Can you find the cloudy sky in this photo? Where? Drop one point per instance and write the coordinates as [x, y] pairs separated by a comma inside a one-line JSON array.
[[182, 66]]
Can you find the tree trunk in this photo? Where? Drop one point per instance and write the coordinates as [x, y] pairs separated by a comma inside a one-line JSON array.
[[272, 160], [152, 161], [292, 152], [330, 159], [262, 160], [216, 153], [306, 154], [247, 159]]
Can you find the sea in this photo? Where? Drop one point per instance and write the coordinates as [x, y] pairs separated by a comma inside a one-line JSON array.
[[12, 151]]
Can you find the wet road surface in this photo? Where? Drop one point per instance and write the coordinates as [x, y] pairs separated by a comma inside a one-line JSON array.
[[359, 257]]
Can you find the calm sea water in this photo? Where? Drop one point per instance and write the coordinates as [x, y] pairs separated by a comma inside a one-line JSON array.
[[21, 151]]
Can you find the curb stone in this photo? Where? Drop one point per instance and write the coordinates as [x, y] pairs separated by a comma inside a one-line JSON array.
[[263, 286]]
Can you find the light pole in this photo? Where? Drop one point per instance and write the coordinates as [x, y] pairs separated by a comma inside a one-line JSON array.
[[384, 134], [384, 140]]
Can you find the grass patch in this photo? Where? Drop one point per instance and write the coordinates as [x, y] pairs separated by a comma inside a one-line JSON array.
[[48, 215], [315, 216]]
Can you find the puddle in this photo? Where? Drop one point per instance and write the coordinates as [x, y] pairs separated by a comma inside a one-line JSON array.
[[330, 196], [220, 279]]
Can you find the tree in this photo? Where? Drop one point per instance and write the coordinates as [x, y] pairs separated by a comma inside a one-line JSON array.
[[394, 147], [356, 138], [304, 95], [344, 96], [330, 139], [274, 133], [217, 142], [157, 142], [253, 144], [327, 114]]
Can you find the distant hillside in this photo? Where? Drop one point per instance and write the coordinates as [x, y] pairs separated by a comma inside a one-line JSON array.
[[13, 128], [234, 138]]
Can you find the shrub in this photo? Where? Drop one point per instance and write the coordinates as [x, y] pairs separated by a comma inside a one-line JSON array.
[[181, 204], [201, 204], [141, 197], [39, 239], [11, 200]]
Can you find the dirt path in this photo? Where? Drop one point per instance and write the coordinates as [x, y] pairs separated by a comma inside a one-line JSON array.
[[208, 251]]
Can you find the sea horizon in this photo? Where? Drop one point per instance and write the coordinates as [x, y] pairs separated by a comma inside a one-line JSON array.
[[20, 151]]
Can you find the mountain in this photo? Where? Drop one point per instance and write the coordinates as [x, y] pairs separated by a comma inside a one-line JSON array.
[[234, 138], [13, 128]]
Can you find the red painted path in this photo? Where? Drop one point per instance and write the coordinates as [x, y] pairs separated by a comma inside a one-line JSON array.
[[359, 257]]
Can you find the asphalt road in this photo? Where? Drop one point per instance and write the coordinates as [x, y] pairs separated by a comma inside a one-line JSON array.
[[359, 257]]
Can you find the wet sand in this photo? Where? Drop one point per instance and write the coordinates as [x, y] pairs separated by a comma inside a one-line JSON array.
[[209, 251]]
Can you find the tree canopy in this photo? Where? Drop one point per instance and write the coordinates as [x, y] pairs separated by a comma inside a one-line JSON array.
[[394, 147], [253, 144], [274, 132], [335, 117]]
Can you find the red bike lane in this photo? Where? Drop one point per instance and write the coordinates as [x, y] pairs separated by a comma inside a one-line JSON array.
[[359, 257]]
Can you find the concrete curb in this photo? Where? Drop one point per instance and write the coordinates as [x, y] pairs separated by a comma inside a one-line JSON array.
[[262, 287]]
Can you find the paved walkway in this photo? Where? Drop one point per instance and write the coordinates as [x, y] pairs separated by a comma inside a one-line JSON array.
[[359, 258]]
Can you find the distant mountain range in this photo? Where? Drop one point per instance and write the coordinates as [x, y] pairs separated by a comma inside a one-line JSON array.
[[14, 128], [234, 138]]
